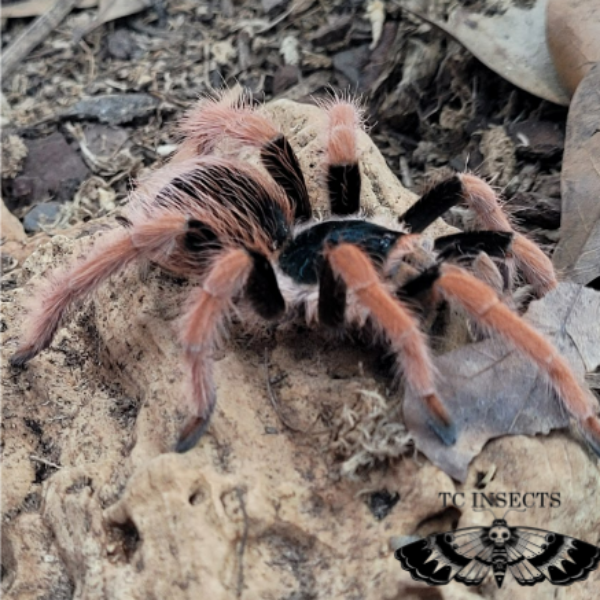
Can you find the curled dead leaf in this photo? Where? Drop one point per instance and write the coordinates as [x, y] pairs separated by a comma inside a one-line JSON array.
[[109, 10], [577, 255], [573, 31], [35, 8]]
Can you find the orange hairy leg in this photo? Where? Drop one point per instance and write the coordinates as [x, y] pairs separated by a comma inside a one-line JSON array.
[[345, 119], [208, 307], [110, 256], [222, 117], [486, 308], [343, 172], [398, 325], [536, 266]]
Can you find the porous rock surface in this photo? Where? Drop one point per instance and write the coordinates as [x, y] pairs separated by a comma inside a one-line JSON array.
[[97, 506]]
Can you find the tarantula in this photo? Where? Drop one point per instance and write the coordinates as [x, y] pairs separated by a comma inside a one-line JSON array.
[[250, 235]]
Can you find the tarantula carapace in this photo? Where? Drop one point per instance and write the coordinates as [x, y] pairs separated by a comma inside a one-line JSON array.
[[249, 234]]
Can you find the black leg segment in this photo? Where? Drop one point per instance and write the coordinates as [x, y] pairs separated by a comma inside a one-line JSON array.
[[344, 184], [420, 284], [439, 199], [262, 289], [493, 243], [332, 297], [193, 430], [281, 162]]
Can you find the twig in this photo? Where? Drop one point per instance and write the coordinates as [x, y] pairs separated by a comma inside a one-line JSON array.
[[43, 461], [243, 542], [275, 404], [593, 379], [34, 35]]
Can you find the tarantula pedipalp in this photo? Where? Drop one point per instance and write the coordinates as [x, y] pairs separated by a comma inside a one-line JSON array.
[[249, 234]]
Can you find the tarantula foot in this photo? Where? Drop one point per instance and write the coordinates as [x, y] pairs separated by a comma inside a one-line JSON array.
[[192, 432], [590, 429], [22, 356], [439, 420]]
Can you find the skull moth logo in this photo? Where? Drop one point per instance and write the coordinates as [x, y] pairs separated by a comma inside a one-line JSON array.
[[468, 554]]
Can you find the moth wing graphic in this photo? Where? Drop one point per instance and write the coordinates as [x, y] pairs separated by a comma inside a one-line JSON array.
[[475, 572], [441, 557], [535, 554]]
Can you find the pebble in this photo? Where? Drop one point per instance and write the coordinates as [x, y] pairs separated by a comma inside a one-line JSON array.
[[113, 109], [41, 215]]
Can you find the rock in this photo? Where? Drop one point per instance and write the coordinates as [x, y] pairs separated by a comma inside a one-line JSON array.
[[284, 78], [256, 510], [53, 168], [12, 238], [41, 215], [113, 109], [350, 63], [333, 32], [12, 229], [121, 44]]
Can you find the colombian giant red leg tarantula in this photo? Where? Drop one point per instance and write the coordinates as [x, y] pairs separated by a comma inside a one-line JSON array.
[[249, 233]]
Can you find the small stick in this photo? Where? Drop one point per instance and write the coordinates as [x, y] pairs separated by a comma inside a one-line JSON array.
[[243, 542], [43, 461], [34, 35], [274, 403]]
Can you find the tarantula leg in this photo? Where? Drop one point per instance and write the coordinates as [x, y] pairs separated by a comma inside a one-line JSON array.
[[281, 162], [534, 264], [481, 198], [215, 119], [46, 316], [486, 308], [332, 297], [471, 243], [203, 320], [343, 171], [231, 271], [397, 324], [477, 248], [262, 289], [150, 239], [433, 204]]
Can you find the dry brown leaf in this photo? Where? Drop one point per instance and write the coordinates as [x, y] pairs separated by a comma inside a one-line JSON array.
[[510, 40], [110, 10], [573, 31], [491, 390], [578, 252], [35, 8]]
